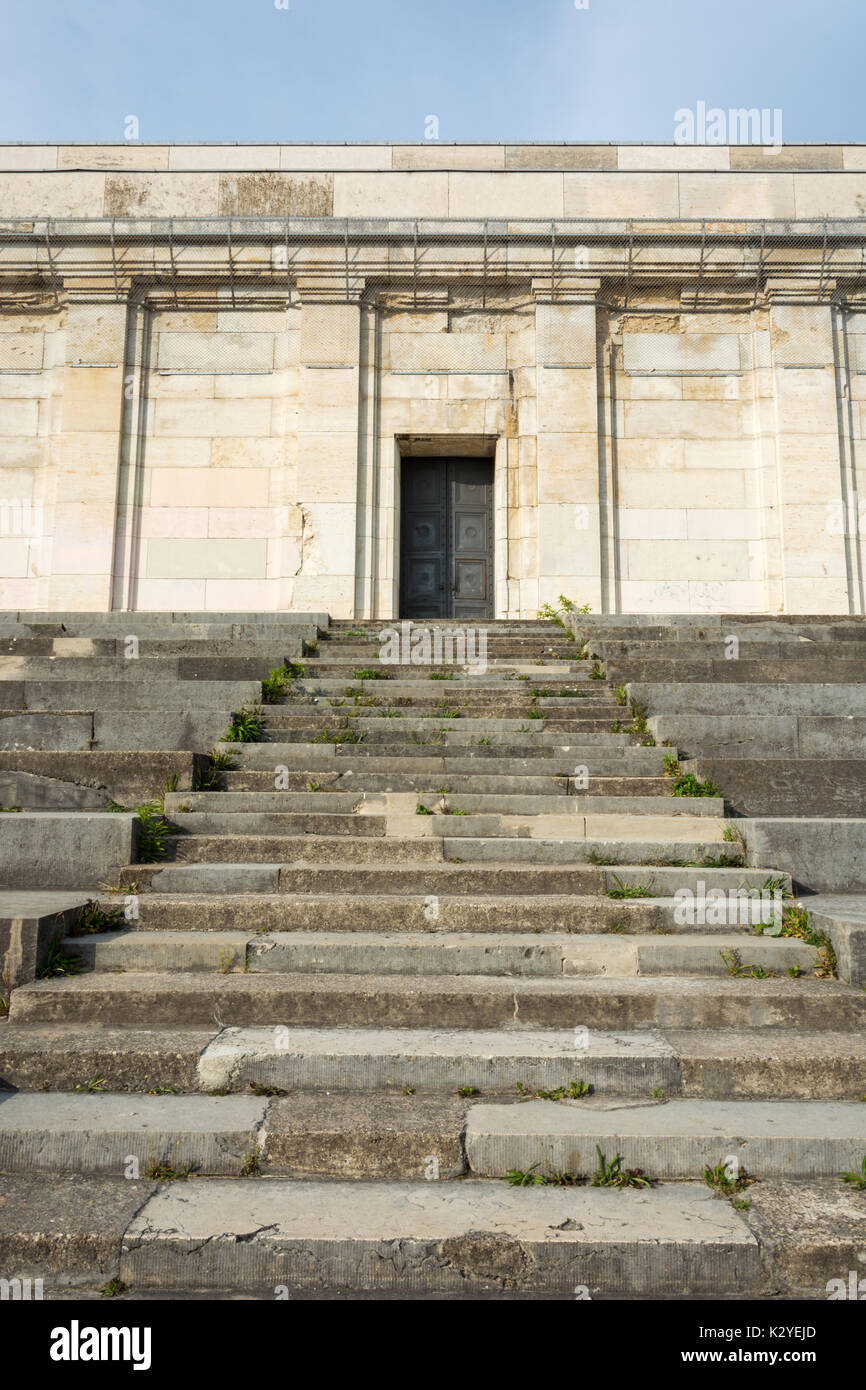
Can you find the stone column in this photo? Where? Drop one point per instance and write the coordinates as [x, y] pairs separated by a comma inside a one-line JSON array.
[[88, 454], [809, 463], [569, 559], [328, 423]]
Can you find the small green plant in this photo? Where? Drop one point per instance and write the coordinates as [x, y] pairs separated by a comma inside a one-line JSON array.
[[113, 1288], [260, 1090], [483, 741], [517, 1177], [279, 682], [687, 784], [251, 1166], [596, 673], [169, 783], [657, 1094], [467, 1091], [371, 673], [741, 1204], [671, 765], [620, 694], [721, 1180], [245, 726], [628, 890], [856, 1179], [616, 727], [163, 1172], [573, 1090], [612, 1174], [313, 786], [165, 1091], [92, 918], [422, 810], [408, 1090], [56, 963], [441, 675], [536, 714], [550, 614], [336, 736], [736, 968], [154, 832], [96, 1083]]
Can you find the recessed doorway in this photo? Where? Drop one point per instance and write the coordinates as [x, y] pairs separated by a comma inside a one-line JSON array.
[[446, 538]]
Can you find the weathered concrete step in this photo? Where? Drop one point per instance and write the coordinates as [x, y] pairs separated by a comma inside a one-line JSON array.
[[713, 1064], [669, 1139], [235, 847], [401, 819], [366, 1135], [432, 953], [108, 1134], [476, 1239], [599, 761], [536, 913], [283, 823], [432, 736], [477, 783], [468, 1238], [444, 1001], [379, 803], [66, 695], [438, 878]]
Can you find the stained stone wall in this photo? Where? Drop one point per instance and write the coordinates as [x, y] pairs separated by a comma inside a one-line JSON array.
[[207, 383]]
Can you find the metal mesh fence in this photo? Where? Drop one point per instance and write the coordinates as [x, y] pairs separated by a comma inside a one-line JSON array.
[[463, 276]]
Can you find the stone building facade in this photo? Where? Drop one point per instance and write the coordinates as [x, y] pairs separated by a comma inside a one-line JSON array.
[[433, 380]]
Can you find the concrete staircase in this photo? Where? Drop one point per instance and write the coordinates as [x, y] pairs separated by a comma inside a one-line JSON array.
[[305, 1048]]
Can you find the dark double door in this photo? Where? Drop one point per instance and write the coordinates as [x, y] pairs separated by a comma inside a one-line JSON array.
[[446, 539]]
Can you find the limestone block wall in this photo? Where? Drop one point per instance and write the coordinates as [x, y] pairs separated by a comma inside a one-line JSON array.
[[212, 427], [32, 350], [209, 515]]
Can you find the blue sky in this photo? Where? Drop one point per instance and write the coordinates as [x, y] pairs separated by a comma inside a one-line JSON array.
[[334, 70]]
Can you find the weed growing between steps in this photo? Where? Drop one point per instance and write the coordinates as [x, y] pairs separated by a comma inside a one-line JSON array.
[[610, 1173], [727, 1178], [734, 964], [573, 1090], [93, 918], [154, 832], [56, 963], [795, 923], [279, 683], [628, 890], [245, 726], [856, 1179], [558, 615], [686, 783]]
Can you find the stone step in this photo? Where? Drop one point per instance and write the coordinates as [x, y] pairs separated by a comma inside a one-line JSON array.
[[376, 804], [237, 848], [432, 953], [473, 783], [107, 1133], [599, 761], [760, 1063], [452, 1240], [434, 879], [365, 1135], [535, 914], [668, 1139], [191, 999]]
